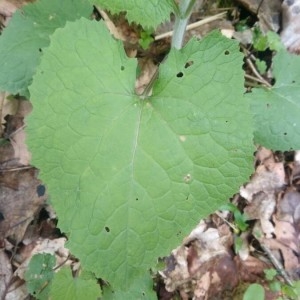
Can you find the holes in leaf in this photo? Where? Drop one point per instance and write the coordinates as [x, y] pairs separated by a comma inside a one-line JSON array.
[[179, 75], [284, 133], [40, 190], [188, 64], [40, 49], [226, 52], [122, 68], [107, 229], [136, 199]]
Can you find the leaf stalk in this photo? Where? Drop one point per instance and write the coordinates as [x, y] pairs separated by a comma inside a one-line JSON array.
[[182, 16]]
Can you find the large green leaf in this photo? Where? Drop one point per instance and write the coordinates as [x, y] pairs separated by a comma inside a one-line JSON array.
[[28, 32], [141, 289], [148, 13], [130, 177], [276, 110]]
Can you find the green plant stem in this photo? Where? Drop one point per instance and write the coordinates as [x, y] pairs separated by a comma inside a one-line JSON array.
[[182, 17]]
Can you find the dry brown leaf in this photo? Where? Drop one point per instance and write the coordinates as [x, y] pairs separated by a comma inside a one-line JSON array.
[[268, 13], [21, 196], [14, 131], [268, 178], [17, 290], [251, 269], [203, 261], [290, 35], [5, 274], [288, 208]]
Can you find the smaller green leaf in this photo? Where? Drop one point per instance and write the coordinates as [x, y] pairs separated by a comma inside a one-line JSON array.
[[148, 13], [276, 110], [292, 292], [146, 39], [260, 41], [275, 286], [28, 32], [297, 287], [270, 274], [238, 244], [242, 25], [65, 287], [274, 41], [261, 66], [254, 291], [270, 40], [39, 275], [239, 218]]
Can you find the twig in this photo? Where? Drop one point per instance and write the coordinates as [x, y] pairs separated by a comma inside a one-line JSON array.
[[254, 71], [16, 169], [254, 79], [277, 264], [192, 26]]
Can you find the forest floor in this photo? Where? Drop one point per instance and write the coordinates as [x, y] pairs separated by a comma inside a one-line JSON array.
[[227, 251]]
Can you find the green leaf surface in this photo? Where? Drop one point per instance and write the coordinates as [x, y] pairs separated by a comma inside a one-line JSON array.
[[39, 274], [129, 178], [65, 287], [254, 291], [270, 274], [22, 42], [142, 289], [276, 110], [148, 13]]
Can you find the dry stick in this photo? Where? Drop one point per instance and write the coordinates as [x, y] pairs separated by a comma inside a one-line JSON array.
[[255, 72], [232, 226], [253, 69], [192, 26], [254, 78], [16, 169], [277, 264]]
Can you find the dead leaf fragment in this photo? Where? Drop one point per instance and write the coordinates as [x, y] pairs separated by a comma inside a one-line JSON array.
[[268, 13], [5, 274], [290, 35], [20, 200], [203, 266]]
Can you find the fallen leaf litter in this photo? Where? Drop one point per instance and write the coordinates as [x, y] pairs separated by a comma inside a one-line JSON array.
[[205, 265]]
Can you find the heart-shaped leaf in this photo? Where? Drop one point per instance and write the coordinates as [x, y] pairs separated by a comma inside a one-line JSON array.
[[130, 177]]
